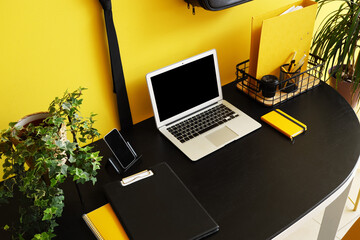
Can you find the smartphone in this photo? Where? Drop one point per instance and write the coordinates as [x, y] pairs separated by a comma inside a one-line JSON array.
[[121, 149]]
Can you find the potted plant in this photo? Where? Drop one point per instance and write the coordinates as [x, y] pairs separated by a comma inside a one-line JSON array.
[[336, 41], [38, 156]]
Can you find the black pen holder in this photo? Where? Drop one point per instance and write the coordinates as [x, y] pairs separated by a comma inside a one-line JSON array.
[[289, 80]]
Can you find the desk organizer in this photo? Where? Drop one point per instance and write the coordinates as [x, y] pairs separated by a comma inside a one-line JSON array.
[[304, 81]]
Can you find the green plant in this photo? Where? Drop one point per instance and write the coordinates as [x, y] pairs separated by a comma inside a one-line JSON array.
[[52, 157], [336, 41]]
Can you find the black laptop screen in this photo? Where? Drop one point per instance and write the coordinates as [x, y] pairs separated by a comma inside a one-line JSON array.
[[185, 87]]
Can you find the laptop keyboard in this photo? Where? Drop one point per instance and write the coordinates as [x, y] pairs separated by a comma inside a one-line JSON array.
[[203, 122]]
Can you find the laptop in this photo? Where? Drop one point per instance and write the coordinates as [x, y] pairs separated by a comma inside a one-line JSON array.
[[189, 108]]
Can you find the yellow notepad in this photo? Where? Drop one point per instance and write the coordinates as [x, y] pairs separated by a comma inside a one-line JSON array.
[[284, 123], [104, 224]]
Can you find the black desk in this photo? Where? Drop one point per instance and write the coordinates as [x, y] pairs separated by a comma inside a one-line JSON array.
[[256, 187]]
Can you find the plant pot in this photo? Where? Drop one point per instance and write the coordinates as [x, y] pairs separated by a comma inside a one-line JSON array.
[[36, 119], [346, 90]]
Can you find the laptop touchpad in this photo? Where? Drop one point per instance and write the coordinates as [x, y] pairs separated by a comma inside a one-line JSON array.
[[221, 136]]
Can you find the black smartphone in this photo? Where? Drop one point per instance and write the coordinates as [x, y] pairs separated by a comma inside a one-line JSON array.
[[121, 149]]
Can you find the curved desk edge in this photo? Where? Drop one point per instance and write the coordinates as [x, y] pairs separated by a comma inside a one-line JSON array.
[[333, 204]]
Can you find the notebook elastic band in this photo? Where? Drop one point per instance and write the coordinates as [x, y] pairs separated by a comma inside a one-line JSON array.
[[290, 119]]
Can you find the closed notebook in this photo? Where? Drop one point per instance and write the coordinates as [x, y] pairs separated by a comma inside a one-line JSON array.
[[159, 207], [284, 123], [104, 224]]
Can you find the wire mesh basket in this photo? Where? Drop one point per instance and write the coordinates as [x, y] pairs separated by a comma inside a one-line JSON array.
[[289, 85]]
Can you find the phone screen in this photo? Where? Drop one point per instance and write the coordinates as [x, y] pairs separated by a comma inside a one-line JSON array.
[[119, 148]]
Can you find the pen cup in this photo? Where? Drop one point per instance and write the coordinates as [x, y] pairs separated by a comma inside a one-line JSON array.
[[269, 84], [289, 79]]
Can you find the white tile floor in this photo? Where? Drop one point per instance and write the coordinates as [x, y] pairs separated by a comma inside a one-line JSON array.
[[310, 229]]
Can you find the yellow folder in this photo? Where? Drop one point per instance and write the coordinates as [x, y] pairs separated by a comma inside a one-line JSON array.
[[284, 123], [275, 38], [256, 25], [104, 224]]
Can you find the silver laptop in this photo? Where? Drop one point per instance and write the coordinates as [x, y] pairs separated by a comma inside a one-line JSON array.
[[189, 108]]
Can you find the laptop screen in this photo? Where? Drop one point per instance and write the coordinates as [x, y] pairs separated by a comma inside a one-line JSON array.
[[185, 87]]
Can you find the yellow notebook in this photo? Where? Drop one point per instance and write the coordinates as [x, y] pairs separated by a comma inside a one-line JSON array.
[[104, 224], [284, 123]]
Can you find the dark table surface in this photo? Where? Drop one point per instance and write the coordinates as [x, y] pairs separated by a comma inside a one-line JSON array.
[[255, 187]]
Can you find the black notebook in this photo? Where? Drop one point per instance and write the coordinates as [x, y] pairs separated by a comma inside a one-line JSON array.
[[155, 204]]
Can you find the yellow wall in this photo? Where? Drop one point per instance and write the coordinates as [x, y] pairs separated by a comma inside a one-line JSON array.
[[48, 46]]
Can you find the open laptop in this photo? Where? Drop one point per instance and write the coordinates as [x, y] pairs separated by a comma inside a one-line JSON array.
[[189, 108]]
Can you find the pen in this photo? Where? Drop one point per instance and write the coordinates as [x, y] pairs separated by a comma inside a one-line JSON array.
[[290, 65], [301, 63], [292, 62]]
